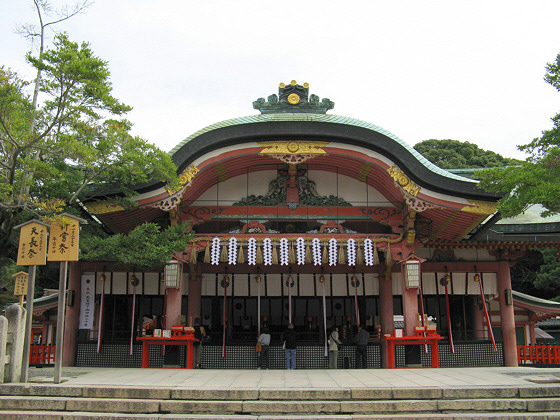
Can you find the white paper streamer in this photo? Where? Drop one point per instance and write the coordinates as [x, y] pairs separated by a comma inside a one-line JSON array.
[[333, 254], [252, 252], [215, 251], [368, 251], [284, 251], [300, 248], [267, 251], [351, 251], [316, 246], [232, 250]]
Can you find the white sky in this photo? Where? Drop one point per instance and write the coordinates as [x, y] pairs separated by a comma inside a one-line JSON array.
[[464, 70]]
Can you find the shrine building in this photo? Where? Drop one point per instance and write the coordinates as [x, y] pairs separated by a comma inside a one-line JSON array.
[[300, 216]]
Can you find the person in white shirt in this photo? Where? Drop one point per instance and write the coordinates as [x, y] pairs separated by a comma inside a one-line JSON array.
[[333, 348]]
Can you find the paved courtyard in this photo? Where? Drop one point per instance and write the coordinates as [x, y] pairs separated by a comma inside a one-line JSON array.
[[319, 379]]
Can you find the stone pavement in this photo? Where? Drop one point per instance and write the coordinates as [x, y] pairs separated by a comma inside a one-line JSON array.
[[309, 379]]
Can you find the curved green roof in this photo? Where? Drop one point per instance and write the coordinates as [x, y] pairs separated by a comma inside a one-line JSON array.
[[326, 118]]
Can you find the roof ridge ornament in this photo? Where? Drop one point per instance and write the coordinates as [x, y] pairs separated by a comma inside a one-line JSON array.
[[293, 98]]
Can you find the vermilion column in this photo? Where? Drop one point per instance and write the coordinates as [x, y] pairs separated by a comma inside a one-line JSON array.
[[479, 322], [195, 287], [72, 316], [532, 334], [507, 315], [410, 309], [174, 300], [386, 313]]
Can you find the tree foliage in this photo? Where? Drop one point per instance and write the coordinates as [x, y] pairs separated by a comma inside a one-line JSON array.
[[75, 137], [548, 277], [536, 181], [146, 247], [455, 154]]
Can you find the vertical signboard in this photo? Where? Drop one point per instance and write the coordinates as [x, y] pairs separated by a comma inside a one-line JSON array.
[[64, 239], [87, 302], [32, 252], [32, 244], [63, 247], [20, 286]]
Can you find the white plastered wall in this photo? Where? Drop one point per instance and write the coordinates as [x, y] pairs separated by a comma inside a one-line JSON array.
[[307, 285], [327, 183]]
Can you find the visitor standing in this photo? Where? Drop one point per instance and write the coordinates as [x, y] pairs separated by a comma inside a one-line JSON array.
[[362, 339], [264, 341], [289, 337], [333, 348], [199, 334]]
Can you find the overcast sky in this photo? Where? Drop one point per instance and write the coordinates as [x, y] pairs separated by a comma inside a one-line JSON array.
[[465, 70]]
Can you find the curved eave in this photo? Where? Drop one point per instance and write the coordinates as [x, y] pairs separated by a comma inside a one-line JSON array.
[[542, 307], [261, 129]]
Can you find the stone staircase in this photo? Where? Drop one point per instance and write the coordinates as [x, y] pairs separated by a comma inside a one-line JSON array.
[[49, 402]]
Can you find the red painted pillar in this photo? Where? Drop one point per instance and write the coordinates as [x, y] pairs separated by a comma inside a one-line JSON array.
[[174, 300], [72, 316], [195, 287], [479, 322], [532, 334], [507, 315], [386, 313], [410, 309]]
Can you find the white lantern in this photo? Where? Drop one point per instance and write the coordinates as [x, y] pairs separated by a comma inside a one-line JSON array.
[[412, 273], [172, 274]]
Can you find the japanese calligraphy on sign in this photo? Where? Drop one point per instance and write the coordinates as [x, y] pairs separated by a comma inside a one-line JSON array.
[[87, 302], [64, 240], [32, 243], [20, 287]]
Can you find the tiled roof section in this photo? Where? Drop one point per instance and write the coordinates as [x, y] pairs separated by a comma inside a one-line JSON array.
[[520, 245], [531, 215], [550, 323], [543, 303], [326, 118]]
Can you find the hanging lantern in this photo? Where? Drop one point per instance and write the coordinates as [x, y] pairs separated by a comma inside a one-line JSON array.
[[134, 280], [411, 271], [444, 281], [172, 274]]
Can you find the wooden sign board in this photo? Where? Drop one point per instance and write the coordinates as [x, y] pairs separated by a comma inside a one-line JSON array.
[[20, 287], [32, 244], [64, 240]]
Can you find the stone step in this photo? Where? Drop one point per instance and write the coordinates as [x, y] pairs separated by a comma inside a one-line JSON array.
[[275, 407], [65, 415], [339, 394]]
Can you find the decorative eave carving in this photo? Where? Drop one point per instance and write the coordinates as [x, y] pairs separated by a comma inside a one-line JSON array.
[[103, 207], [506, 253], [293, 98], [184, 179], [417, 204], [293, 152], [169, 203], [409, 190], [402, 181], [481, 207]]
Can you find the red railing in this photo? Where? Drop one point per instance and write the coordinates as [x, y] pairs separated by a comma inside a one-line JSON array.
[[543, 355], [42, 355]]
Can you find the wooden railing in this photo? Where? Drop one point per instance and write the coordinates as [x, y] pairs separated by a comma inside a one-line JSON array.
[[543, 355], [42, 355]]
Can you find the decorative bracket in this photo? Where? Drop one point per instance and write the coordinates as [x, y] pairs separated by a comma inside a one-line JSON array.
[[293, 152]]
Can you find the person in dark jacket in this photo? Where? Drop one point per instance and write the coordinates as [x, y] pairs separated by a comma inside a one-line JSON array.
[[361, 340], [264, 341], [289, 337], [199, 334]]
